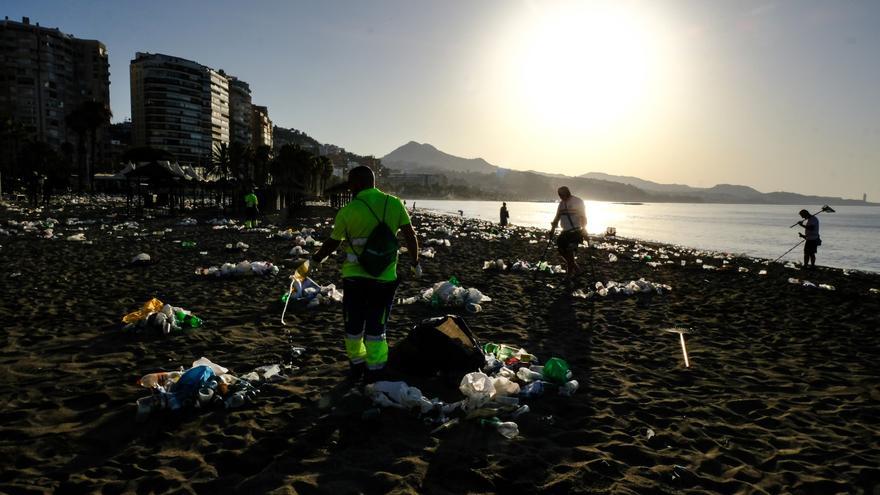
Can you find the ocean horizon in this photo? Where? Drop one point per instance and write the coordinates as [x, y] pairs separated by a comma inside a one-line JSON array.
[[849, 235]]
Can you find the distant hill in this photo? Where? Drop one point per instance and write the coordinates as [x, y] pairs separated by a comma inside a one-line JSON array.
[[414, 156], [723, 193]]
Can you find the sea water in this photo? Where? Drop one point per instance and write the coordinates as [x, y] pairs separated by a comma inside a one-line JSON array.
[[850, 236]]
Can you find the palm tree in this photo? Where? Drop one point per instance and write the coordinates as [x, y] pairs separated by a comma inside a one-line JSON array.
[[221, 167], [97, 115], [76, 122], [261, 158], [85, 120]]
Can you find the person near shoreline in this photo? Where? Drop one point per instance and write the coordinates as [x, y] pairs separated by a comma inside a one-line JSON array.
[[367, 298], [251, 203], [811, 234], [505, 215], [573, 215]]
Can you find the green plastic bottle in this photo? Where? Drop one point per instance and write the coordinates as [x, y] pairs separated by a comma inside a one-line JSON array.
[[188, 244], [556, 370]]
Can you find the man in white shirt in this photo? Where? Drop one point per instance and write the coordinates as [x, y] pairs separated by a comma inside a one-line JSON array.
[[573, 215], [811, 234]]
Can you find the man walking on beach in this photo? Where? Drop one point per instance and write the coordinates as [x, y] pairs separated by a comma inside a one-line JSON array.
[[504, 214], [369, 286], [250, 212], [573, 214], [811, 234]]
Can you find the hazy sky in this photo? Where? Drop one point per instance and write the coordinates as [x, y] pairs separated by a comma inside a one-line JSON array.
[[779, 95]]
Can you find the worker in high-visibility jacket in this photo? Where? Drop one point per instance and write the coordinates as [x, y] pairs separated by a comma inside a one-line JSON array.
[[367, 298], [250, 211]]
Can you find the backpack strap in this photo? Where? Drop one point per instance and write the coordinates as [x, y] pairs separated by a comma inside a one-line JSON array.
[[380, 220], [384, 208]]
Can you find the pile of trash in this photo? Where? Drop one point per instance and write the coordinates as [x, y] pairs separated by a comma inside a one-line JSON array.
[[438, 242], [315, 294], [543, 266], [241, 269], [450, 294], [142, 259], [495, 265], [238, 247], [811, 285], [204, 384], [427, 252], [298, 251], [188, 222], [157, 316], [221, 222], [613, 288], [509, 375]]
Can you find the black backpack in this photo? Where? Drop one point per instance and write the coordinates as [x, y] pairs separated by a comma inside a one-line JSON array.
[[380, 250], [444, 345]]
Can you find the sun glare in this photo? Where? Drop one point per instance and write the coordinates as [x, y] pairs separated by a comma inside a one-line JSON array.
[[582, 68]]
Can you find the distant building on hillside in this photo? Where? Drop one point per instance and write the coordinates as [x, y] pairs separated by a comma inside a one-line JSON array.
[[423, 180], [44, 75]]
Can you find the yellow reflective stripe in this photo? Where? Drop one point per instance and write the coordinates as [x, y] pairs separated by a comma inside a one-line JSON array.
[[377, 351], [354, 347]]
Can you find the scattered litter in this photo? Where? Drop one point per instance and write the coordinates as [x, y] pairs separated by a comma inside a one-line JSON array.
[[157, 316], [240, 269], [142, 259], [495, 265], [203, 385]]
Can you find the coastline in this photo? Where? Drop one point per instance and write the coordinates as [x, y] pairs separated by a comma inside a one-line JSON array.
[[780, 394]]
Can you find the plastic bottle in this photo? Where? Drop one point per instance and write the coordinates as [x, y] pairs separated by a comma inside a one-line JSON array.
[[569, 388], [527, 375], [556, 370], [534, 389], [187, 320], [520, 411], [508, 429], [188, 244], [237, 399], [301, 271]]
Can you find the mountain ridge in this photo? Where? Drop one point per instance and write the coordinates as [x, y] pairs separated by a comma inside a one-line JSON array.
[[426, 158]]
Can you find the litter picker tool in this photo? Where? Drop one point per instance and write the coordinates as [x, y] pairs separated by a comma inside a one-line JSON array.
[[790, 250], [299, 275], [825, 209]]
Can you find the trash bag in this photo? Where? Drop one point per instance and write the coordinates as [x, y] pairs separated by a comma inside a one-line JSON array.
[[443, 345]]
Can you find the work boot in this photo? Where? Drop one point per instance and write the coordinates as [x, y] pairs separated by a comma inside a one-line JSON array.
[[373, 376], [356, 371]]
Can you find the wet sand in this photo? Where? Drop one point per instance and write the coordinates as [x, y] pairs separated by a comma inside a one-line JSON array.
[[782, 394]]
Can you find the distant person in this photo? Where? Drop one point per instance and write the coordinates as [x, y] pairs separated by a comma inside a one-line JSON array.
[[369, 274], [573, 215], [505, 215], [414, 207], [461, 213], [811, 234], [251, 204]]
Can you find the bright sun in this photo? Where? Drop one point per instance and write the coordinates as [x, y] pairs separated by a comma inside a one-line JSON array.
[[583, 68]]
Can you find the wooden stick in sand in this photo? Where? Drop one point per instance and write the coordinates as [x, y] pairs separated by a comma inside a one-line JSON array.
[[684, 352]]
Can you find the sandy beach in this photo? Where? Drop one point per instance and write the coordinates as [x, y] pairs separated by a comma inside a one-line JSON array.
[[782, 394]]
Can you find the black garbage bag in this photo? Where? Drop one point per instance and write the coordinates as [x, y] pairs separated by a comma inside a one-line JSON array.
[[443, 345]]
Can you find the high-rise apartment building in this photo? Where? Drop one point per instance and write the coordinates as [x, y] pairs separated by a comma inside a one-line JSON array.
[[188, 109], [44, 75], [262, 127], [178, 105], [240, 109]]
